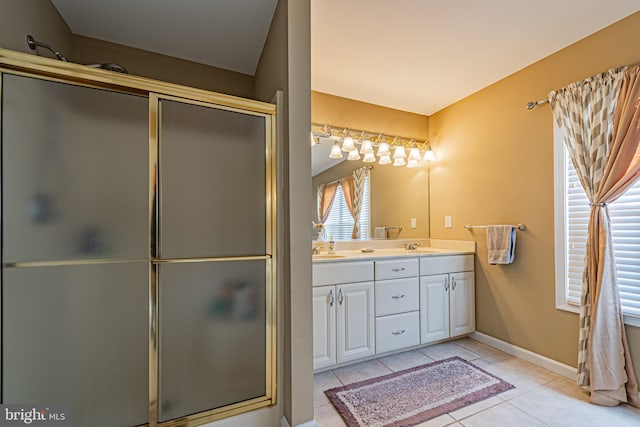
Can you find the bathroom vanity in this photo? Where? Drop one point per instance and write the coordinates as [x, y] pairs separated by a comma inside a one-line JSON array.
[[370, 304]]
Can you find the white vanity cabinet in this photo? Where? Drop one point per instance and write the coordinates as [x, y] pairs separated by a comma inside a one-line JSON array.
[[447, 297], [397, 304], [343, 312]]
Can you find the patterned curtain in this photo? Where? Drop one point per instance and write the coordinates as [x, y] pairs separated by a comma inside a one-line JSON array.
[[606, 162], [359, 176], [326, 199]]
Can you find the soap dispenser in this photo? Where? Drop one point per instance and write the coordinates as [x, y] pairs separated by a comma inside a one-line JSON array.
[[332, 245]]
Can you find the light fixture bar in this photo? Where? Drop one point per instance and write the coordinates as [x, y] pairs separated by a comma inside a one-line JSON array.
[[324, 130]]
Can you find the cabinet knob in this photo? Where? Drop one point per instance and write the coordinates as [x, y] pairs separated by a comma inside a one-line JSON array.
[[398, 296], [398, 332]]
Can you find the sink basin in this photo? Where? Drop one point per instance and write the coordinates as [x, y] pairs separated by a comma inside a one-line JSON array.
[[328, 256]]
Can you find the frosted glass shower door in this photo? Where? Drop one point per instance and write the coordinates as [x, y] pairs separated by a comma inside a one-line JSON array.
[[214, 266], [75, 259]]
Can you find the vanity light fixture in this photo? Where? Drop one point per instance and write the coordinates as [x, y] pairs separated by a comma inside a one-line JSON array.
[[369, 158], [336, 153], [385, 160], [372, 146], [399, 152], [399, 161], [353, 154], [366, 147], [414, 157], [428, 155], [347, 144], [383, 148]]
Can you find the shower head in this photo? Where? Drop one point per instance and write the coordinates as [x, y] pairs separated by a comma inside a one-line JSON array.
[[33, 44]]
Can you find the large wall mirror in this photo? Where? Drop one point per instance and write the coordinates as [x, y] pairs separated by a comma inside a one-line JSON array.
[[392, 196]]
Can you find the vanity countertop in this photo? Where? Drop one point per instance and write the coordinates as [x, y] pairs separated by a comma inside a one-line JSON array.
[[356, 255]]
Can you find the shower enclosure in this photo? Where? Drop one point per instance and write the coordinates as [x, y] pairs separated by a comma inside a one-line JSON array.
[[138, 247]]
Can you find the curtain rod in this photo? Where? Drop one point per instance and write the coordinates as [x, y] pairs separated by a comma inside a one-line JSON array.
[[533, 104]]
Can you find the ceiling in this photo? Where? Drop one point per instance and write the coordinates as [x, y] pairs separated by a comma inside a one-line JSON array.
[[423, 55], [228, 34], [412, 55]]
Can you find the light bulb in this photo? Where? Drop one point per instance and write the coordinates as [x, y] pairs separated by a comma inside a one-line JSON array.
[[385, 160], [353, 155], [399, 153], [335, 151], [399, 162], [369, 158], [428, 155], [413, 163], [383, 149], [348, 145], [414, 154], [366, 147]]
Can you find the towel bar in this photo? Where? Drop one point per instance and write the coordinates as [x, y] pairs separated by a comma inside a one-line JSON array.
[[520, 226]]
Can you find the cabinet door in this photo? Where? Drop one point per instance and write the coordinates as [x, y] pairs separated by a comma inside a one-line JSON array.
[[434, 308], [462, 303], [324, 327], [355, 329]]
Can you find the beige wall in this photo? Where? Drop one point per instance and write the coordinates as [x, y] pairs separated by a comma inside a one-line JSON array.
[[36, 17], [495, 165], [285, 65], [86, 50], [397, 193]]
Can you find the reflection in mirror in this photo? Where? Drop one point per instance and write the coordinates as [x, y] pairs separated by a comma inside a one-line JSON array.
[[390, 197]]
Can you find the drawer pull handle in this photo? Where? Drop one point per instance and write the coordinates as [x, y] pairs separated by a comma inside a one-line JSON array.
[[397, 269], [341, 300], [398, 296], [398, 332], [331, 298], [453, 285], [446, 284]]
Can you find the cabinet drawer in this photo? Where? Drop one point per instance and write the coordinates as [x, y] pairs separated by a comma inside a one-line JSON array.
[[445, 264], [397, 331], [342, 272], [397, 296], [396, 268]]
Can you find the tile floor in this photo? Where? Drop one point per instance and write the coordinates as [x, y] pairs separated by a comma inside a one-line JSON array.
[[541, 397]]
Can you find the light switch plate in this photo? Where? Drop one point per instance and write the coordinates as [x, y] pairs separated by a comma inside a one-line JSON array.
[[447, 221], [413, 223]]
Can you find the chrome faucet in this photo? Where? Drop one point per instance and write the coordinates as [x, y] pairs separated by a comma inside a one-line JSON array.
[[411, 246]]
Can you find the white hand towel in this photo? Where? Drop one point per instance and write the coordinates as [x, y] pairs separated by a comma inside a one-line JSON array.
[[501, 243]]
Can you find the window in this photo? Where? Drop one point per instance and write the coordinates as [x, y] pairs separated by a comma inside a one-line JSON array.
[[572, 218], [340, 222]]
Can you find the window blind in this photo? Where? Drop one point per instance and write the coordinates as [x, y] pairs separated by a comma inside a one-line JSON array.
[[340, 222], [625, 231]]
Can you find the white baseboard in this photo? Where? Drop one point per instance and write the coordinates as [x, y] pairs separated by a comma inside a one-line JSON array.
[[524, 354], [285, 423]]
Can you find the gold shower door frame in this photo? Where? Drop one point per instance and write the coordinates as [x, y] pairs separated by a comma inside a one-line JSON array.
[[63, 72]]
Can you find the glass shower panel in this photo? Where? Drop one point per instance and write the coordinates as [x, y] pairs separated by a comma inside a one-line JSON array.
[[77, 336], [212, 182], [212, 335], [75, 172]]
